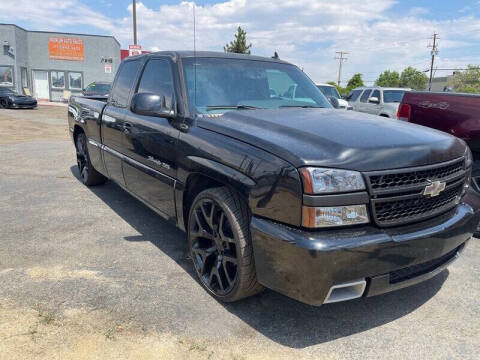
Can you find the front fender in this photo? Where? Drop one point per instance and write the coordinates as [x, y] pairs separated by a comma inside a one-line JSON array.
[[222, 173], [270, 186]]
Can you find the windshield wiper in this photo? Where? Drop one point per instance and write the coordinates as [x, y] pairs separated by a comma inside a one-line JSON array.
[[235, 107], [302, 106]]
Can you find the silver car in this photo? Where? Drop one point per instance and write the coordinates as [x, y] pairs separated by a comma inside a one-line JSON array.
[[376, 100]]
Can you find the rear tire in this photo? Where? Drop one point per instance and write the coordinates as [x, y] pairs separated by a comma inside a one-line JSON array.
[[88, 175], [220, 245]]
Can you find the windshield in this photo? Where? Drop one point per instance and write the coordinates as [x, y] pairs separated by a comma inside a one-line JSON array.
[[393, 96], [237, 84], [329, 91], [99, 88]]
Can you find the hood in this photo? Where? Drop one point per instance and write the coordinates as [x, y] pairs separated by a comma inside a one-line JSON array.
[[337, 139]]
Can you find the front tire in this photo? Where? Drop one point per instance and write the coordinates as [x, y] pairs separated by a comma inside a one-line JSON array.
[[220, 245], [88, 175]]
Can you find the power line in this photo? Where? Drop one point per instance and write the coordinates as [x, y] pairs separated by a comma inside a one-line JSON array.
[[340, 59], [433, 52]]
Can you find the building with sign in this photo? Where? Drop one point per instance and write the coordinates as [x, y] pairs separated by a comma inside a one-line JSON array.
[[51, 66]]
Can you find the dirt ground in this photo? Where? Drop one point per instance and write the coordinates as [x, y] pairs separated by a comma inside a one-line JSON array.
[[33, 125], [91, 273]]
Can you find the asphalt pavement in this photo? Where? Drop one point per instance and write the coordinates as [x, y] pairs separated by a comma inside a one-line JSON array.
[[93, 273]]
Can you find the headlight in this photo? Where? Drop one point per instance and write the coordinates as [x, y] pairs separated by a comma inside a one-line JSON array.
[[316, 217], [327, 181], [468, 157]]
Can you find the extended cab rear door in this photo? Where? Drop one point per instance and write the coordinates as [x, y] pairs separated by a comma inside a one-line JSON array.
[[113, 119], [150, 164]]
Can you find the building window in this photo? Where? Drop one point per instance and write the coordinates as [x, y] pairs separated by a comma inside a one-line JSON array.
[[58, 79], [75, 81], [24, 75], [6, 76]]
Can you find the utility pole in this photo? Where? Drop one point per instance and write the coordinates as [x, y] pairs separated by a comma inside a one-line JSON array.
[[341, 59], [433, 52], [134, 22]]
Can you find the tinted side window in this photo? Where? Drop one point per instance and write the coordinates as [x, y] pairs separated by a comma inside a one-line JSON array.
[[157, 79], [376, 93], [353, 96], [365, 96], [125, 80]]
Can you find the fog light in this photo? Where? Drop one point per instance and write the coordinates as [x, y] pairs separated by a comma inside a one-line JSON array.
[[314, 217]]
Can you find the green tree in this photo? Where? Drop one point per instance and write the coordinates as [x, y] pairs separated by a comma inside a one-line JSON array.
[[388, 79], [340, 89], [239, 45], [355, 81], [412, 78], [467, 81]]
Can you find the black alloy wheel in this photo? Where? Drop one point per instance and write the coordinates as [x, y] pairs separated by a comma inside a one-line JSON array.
[[220, 245], [88, 175], [82, 157], [213, 247]]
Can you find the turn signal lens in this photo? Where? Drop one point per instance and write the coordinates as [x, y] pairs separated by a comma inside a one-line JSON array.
[[317, 217]]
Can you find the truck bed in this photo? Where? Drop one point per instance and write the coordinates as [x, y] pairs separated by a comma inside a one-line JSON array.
[[454, 113]]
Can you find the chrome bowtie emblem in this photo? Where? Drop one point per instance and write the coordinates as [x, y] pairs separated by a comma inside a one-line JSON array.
[[434, 188]]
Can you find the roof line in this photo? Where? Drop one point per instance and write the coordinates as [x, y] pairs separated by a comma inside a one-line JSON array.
[[59, 32]]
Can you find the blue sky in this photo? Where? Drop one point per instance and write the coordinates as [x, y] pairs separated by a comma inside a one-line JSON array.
[[378, 34]]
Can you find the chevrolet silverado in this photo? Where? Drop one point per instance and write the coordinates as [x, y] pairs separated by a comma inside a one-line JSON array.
[[275, 188]]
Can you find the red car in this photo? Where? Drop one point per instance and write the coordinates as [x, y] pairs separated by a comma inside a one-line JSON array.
[[454, 113]]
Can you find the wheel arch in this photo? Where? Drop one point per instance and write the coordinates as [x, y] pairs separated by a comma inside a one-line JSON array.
[[207, 174], [77, 130]]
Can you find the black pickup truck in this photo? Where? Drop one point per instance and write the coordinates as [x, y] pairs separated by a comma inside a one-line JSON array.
[[273, 186]]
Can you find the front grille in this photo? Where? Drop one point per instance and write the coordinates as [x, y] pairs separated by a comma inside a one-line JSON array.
[[423, 268], [420, 176], [391, 212], [397, 195]]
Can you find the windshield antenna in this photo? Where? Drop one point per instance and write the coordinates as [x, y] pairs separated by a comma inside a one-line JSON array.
[[194, 56]]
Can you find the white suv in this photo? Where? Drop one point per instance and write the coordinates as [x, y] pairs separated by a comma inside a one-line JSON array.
[[331, 93], [376, 100]]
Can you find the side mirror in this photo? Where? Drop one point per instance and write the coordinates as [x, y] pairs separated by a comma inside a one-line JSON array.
[[334, 102], [374, 100], [151, 105]]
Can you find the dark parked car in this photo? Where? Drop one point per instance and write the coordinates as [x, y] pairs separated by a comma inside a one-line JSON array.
[[278, 191], [97, 89], [10, 99]]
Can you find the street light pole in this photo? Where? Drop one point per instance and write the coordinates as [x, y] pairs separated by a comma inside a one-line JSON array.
[[134, 22]]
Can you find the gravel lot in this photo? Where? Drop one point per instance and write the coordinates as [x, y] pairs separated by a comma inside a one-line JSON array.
[[94, 274]]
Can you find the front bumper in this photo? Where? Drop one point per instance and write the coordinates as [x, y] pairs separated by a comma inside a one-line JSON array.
[[23, 105], [305, 265]]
